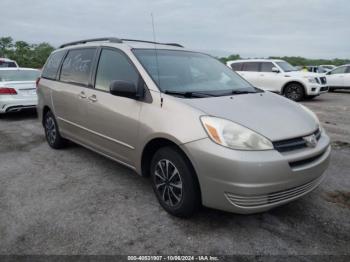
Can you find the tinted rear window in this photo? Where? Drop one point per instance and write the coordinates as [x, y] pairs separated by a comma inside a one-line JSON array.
[[7, 64], [76, 66], [51, 67], [251, 66], [19, 75]]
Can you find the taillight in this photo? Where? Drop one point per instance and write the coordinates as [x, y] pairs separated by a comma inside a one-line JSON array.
[[7, 91], [37, 82]]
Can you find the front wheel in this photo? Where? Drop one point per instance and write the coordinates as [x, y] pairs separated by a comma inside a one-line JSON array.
[[294, 91], [52, 133], [174, 182]]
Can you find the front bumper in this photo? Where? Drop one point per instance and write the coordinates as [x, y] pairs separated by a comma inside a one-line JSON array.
[[316, 89], [255, 181], [13, 103]]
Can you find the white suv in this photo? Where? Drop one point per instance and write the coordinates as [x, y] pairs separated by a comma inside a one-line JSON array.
[[280, 77]]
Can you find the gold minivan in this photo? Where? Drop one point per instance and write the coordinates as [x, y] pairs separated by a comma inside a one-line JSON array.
[[202, 133]]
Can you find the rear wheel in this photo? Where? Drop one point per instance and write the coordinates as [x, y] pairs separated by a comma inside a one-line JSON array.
[[294, 91], [52, 133], [174, 182]]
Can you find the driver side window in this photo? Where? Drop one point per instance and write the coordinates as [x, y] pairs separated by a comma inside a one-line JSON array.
[[113, 65]]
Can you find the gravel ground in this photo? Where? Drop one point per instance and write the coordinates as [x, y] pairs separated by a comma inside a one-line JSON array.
[[74, 201]]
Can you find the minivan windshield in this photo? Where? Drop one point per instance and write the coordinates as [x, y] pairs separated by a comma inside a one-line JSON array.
[[286, 67], [19, 75], [183, 72]]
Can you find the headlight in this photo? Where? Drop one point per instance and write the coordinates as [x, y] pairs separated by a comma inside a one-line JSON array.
[[312, 79], [314, 116], [235, 136]]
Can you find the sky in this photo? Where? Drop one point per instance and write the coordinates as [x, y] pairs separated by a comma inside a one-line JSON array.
[[251, 28]]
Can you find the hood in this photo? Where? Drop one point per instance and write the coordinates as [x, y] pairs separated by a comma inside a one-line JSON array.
[[268, 114]]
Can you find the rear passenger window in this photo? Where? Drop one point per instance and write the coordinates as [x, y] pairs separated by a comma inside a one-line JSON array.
[[348, 69], [51, 67], [266, 67], [114, 65], [236, 66], [76, 66], [251, 66]]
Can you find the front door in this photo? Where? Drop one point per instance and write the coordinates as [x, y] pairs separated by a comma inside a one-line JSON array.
[[113, 120]]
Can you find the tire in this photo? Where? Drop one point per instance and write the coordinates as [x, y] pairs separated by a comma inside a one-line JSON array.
[[52, 133], [294, 91], [174, 182]]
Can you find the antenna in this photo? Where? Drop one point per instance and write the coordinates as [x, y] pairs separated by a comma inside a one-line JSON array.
[[155, 49]]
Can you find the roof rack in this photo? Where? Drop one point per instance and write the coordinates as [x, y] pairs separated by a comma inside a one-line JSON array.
[[115, 40], [151, 42], [109, 39]]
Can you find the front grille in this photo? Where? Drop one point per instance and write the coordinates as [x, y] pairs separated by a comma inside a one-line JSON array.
[[271, 198], [323, 80], [324, 88], [294, 143], [305, 161]]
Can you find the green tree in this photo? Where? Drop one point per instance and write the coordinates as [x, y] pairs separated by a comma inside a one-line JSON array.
[[5, 46], [26, 55]]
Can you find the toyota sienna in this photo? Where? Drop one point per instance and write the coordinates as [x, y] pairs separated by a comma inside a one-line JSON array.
[[203, 134]]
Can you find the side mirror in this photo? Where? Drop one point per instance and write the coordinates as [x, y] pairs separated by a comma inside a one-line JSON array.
[[124, 89], [275, 69]]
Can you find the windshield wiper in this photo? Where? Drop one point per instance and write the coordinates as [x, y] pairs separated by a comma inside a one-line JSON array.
[[188, 94], [241, 92]]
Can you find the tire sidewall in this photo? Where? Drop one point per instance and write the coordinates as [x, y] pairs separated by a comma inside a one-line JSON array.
[[58, 143], [190, 199]]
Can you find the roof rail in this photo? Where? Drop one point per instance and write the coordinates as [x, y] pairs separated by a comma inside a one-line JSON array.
[[109, 39], [151, 42], [116, 40]]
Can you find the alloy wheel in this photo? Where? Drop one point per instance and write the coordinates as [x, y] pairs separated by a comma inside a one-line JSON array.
[[50, 128], [168, 182]]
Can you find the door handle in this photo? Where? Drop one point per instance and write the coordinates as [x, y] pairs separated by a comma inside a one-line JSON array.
[[82, 95], [92, 98]]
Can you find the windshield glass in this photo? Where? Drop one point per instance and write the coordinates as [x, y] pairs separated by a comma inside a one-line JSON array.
[[19, 75], [183, 71], [286, 67]]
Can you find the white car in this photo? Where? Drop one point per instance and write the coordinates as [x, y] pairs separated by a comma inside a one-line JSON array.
[[280, 77], [5, 62], [18, 89], [339, 78]]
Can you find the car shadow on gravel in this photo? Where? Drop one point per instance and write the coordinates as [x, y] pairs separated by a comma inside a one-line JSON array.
[[18, 116]]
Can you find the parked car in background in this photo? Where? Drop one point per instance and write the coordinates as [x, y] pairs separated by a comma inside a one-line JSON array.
[[5, 62], [201, 132], [17, 89], [339, 78], [280, 77], [316, 69], [328, 67]]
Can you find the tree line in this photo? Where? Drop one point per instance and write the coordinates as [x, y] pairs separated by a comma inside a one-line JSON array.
[[26, 54], [35, 55], [296, 60]]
